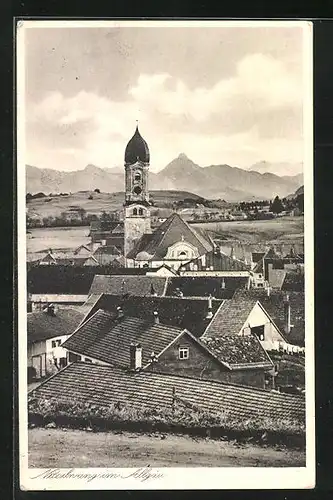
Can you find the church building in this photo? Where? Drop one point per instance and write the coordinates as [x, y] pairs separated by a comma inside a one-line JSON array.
[[173, 242]]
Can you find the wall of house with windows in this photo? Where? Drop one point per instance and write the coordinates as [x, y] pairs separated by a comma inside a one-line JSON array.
[[185, 357], [47, 356], [261, 325]]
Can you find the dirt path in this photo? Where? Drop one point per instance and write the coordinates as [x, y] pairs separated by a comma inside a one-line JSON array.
[[73, 448]]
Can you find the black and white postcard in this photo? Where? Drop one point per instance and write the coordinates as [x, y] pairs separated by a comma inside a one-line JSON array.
[[165, 243]]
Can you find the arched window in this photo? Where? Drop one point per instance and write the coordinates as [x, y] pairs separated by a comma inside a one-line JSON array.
[[137, 176], [135, 211], [182, 254], [140, 211], [137, 190]]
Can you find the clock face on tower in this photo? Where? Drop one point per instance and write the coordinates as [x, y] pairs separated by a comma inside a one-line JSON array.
[[137, 190]]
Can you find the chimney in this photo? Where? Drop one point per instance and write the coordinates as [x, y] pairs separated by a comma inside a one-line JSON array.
[[120, 313], [210, 307], [287, 325], [156, 318], [135, 357]]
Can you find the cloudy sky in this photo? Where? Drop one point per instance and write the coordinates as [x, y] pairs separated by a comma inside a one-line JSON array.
[[220, 95]]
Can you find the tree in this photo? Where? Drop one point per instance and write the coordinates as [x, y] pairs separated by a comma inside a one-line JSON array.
[[97, 190], [277, 206], [300, 202], [90, 197]]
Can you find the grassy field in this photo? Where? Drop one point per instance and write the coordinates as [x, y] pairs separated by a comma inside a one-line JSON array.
[[76, 448], [67, 238], [276, 230]]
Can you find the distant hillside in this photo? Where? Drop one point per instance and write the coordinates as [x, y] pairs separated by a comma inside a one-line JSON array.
[[55, 205], [283, 169], [182, 174]]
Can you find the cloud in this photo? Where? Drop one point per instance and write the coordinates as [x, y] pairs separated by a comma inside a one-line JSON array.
[[253, 115]]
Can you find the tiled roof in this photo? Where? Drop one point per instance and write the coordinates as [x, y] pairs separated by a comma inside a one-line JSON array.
[[189, 313], [109, 250], [230, 316], [238, 351], [274, 305], [42, 326], [70, 279], [104, 386], [219, 261], [220, 288], [135, 285], [165, 235], [293, 281], [104, 338]]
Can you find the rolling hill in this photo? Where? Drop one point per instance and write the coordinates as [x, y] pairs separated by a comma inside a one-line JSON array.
[[181, 174]]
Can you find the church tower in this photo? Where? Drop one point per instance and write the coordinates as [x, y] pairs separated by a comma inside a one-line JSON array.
[[136, 205]]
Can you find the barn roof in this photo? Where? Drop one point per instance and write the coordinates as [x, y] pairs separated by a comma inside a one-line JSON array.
[[217, 260], [105, 385]]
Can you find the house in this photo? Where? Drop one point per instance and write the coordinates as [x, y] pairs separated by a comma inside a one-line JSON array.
[[215, 263], [273, 266], [109, 338], [164, 270], [109, 255], [104, 386], [244, 315], [110, 233], [287, 310], [69, 258], [47, 330]]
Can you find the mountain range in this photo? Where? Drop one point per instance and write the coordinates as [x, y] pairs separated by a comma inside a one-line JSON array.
[[215, 181]]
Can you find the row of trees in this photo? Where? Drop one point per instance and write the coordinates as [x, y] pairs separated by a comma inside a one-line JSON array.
[[63, 220]]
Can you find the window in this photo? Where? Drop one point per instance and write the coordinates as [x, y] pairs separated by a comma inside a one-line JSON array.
[[137, 190], [140, 211], [53, 344], [183, 352], [74, 357], [135, 211], [182, 254], [259, 331], [137, 176], [56, 343], [62, 362]]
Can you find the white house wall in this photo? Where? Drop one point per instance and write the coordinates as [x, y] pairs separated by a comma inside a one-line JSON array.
[[258, 317]]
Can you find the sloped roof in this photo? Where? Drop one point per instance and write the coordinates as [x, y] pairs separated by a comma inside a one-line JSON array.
[[168, 233], [219, 261], [43, 326], [134, 284], [274, 305], [189, 313], [238, 351], [231, 316], [107, 339], [293, 281], [106, 385], [107, 250], [198, 286]]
